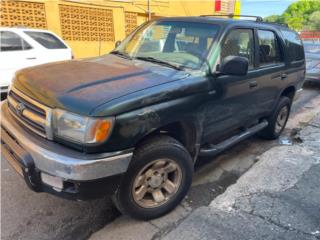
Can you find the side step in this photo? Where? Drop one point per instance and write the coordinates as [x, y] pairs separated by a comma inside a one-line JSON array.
[[215, 149]]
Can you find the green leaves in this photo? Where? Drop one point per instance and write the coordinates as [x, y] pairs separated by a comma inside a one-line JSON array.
[[314, 20], [300, 15]]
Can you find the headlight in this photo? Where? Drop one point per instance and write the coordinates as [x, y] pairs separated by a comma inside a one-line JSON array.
[[81, 129]]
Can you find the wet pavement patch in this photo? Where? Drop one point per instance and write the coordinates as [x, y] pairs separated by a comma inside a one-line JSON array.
[[202, 195], [83, 231]]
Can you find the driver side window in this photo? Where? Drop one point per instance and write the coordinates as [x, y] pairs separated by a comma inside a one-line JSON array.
[[239, 42]]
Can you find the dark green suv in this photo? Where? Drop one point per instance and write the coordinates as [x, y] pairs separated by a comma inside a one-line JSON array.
[[132, 123]]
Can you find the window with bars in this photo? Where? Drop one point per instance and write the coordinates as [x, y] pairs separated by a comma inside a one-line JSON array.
[[86, 23], [21, 13]]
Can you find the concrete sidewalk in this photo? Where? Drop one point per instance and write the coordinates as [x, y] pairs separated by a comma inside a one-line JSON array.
[[278, 198]]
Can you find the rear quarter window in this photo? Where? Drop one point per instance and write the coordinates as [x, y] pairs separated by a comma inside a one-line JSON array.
[[47, 40], [294, 45]]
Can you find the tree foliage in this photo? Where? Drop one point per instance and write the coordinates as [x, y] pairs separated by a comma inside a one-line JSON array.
[[314, 20], [274, 18], [300, 15]]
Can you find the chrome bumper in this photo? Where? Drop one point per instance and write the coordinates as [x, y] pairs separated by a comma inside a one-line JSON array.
[[57, 160]]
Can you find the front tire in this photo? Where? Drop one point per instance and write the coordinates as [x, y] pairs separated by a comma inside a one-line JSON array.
[[278, 119], [157, 180]]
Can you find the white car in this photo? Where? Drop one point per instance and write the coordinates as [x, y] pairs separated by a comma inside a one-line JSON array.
[[25, 47]]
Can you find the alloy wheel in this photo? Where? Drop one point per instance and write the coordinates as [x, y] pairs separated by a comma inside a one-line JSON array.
[[281, 119], [156, 183]]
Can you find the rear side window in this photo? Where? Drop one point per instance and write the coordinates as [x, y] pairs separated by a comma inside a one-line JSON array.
[[239, 42], [10, 41], [46, 39], [269, 49], [294, 46]]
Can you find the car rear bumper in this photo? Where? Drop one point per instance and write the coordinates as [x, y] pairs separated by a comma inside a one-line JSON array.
[[51, 167], [312, 77]]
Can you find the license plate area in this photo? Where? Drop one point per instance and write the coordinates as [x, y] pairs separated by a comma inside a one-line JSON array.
[[10, 157], [18, 158]]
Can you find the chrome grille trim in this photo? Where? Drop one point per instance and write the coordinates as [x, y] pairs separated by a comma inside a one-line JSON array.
[[34, 108], [34, 116], [26, 125]]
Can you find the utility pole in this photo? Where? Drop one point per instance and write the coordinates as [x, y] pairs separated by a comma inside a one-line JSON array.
[[149, 10]]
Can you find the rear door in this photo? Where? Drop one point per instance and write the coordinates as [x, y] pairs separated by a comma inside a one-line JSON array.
[[271, 76], [16, 53], [50, 47]]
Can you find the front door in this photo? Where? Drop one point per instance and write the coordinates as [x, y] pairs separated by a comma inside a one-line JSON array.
[[230, 105], [49, 47]]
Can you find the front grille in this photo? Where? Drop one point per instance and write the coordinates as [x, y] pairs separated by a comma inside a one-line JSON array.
[[31, 114]]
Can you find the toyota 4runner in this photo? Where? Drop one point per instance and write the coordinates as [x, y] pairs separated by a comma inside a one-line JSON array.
[[133, 123]]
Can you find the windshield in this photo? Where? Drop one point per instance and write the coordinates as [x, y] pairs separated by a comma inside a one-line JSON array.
[[184, 44]]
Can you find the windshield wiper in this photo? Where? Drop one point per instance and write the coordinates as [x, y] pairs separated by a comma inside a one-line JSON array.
[[122, 54], [160, 62]]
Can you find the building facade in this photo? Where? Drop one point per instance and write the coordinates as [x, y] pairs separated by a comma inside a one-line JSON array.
[[91, 27], [310, 35]]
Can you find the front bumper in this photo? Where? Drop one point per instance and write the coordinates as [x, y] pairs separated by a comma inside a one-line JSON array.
[[32, 155]]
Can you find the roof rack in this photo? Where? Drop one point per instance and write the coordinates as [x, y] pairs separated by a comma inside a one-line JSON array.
[[278, 24], [258, 18]]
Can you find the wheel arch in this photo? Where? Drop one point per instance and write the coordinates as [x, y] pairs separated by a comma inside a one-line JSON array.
[[289, 92], [186, 132]]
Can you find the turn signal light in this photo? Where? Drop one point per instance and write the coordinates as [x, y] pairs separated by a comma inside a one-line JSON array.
[[101, 130]]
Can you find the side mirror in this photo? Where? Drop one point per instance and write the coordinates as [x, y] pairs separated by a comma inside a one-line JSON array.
[[234, 65], [117, 44]]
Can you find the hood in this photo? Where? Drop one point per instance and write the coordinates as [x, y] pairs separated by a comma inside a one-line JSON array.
[[82, 85]]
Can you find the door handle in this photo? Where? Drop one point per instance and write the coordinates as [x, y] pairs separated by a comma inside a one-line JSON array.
[[253, 84], [284, 76], [31, 58], [212, 92]]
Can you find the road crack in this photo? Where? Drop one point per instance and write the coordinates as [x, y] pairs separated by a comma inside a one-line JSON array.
[[286, 228]]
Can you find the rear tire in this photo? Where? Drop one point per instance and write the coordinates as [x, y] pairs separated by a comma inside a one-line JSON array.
[[157, 179], [277, 120]]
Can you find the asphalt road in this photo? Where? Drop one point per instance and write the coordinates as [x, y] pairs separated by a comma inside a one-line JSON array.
[[278, 198], [28, 215]]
